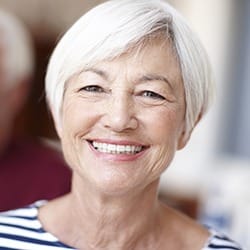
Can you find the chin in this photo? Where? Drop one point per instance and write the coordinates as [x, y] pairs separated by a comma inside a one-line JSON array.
[[114, 187]]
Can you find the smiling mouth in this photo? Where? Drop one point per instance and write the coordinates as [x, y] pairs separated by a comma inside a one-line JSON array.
[[117, 149]]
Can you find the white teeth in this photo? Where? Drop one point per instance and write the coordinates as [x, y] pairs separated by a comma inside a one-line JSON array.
[[116, 149]]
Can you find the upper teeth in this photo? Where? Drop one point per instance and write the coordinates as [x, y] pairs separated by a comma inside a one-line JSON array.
[[116, 149]]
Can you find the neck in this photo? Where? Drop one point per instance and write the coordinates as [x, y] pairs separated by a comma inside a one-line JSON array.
[[104, 222]]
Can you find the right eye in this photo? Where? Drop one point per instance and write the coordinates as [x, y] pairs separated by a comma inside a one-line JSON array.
[[92, 88], [153, 95]]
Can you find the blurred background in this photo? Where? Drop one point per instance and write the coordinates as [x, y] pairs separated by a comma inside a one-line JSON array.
[[208, 180]]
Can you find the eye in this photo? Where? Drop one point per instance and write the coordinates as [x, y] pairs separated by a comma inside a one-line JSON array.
[[153, 95], [93, 88]]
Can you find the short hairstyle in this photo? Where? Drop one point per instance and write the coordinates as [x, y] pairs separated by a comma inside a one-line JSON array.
[[17, 47], [111, 29]]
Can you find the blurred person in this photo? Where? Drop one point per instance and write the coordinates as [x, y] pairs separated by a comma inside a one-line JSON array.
[[29, 170], [126, 86]]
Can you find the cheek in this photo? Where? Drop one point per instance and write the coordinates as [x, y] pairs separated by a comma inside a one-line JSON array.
[[164, 134], [164, 126], [76, 118], [164, 130], [75, 123]]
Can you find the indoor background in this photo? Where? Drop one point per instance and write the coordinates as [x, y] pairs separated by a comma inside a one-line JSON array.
[[209, 178]]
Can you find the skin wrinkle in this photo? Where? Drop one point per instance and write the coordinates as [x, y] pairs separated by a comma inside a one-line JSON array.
[[113, 203], [164, 151], [143, 78], [114, 209], [135, 51]]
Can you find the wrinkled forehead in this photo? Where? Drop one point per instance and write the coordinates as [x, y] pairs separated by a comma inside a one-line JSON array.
[[136, 50], [153, 59]]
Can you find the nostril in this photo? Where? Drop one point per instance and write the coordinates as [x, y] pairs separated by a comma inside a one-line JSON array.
[[119, 123]]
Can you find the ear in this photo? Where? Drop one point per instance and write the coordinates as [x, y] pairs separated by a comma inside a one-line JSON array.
[[183, 139], [185, 135]]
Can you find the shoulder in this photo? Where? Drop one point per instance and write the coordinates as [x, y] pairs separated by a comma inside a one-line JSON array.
[[176, 225], [220, 241], [25, 218], [19, 225], [21, 229]]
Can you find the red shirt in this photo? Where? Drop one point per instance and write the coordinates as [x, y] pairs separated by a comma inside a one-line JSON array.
[[31, 171]]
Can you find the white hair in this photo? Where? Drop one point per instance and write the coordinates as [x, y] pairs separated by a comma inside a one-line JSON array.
[[16, 43], [114, 27]]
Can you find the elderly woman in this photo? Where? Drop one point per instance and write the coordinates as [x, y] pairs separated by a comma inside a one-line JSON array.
[[126, 86]]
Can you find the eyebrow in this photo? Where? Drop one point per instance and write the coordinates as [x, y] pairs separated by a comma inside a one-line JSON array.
[[143, 78], [99, 72], [155, 77]]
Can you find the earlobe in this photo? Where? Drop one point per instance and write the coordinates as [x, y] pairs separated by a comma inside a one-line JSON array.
[[183, 139], [185, 136]]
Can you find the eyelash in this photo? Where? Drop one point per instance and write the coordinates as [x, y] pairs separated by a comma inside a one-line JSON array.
[[152, 95], [92, 88], [146, 93]]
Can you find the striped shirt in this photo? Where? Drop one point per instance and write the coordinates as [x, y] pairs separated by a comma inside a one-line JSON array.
[[21, 229]]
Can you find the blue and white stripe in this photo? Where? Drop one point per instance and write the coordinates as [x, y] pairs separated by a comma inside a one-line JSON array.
[[20, 229], [219, 241]]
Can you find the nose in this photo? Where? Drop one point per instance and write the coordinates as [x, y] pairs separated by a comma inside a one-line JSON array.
[[120, 114]]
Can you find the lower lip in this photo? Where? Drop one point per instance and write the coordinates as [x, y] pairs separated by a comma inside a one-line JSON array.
[[116, 157]]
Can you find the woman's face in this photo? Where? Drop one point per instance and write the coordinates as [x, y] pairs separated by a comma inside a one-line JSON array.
[[123, 120]]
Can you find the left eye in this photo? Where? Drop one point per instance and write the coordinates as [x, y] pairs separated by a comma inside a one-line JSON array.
[[152, 95], [92, 88]]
